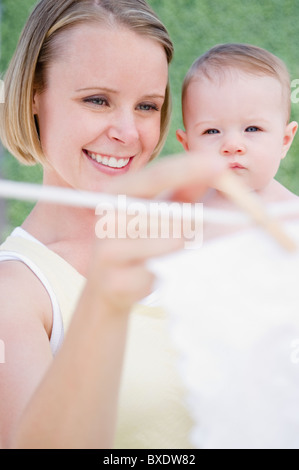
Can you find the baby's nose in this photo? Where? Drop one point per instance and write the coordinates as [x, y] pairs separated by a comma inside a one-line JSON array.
[[233, 147]]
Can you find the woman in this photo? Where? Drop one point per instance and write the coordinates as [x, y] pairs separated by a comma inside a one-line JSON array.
[[87, 96]]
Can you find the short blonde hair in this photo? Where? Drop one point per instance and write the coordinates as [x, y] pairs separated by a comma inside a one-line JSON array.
[[38, 46], [245, 57]]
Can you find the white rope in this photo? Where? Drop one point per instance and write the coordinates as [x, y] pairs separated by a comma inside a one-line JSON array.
[[52, 194], [88, 199]]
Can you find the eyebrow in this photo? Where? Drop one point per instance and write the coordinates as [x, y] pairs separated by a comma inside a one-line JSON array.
[[154, 95], [107, 90], [213, 121], [205, 123]]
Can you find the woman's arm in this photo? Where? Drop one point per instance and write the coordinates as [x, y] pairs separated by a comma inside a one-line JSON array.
[[25, 326], [71, 401]]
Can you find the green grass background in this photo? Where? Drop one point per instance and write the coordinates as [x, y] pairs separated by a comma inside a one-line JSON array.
[[195, 26]]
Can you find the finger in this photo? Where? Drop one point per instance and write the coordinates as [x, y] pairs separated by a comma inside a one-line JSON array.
[[192, 193], [174, 173], [127, 285], [121, 252]]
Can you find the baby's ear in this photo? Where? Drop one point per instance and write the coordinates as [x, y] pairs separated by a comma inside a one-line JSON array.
[[182, 138], [289, 135]]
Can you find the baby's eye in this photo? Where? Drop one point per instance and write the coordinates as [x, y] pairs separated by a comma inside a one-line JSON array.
[[148, 107], [96, 100], [211, 131], [252, 129]]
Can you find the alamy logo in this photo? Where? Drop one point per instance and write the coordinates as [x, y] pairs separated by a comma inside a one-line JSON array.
[[295, 92], [295, 352], [150, 220], [1, 91], [2, 352]]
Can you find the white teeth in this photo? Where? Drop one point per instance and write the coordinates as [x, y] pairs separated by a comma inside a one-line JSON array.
[[112, 162]]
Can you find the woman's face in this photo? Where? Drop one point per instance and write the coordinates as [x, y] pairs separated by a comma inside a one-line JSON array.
[[100, 114]]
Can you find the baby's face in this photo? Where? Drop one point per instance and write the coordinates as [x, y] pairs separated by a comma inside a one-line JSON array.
[[241, 118]]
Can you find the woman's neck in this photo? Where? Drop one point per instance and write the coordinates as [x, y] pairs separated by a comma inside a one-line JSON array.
[[69, 232], [51, 223]]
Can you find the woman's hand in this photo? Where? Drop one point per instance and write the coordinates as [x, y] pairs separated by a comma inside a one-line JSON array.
[[119, 275], [183, 177], [118, 269]]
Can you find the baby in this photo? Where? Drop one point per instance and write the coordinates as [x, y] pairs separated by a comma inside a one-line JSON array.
[[236, 101]]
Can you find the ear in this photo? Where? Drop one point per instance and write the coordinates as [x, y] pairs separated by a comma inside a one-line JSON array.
[[289, 135], [35, 102], [182, 138]]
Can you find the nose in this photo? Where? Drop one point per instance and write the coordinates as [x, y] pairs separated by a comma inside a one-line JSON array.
[[233, 146], [123, 128]]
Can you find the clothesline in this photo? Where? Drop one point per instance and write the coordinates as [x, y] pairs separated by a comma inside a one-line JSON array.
[[250, 205]]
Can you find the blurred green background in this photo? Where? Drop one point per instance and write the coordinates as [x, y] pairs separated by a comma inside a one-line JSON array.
[[195, 26]]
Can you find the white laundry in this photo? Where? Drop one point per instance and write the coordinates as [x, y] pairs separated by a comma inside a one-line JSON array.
[[233, 306]]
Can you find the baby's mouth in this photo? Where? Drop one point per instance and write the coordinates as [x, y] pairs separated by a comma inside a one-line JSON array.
[[111, 162], [236, 166]]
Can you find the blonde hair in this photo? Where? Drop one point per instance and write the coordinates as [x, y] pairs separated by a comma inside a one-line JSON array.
[[244, 57], [39, 45]]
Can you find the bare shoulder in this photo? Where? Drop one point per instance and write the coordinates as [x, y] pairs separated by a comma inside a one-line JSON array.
[[279, 193], [21, 291], [288, 203], [25, 321]]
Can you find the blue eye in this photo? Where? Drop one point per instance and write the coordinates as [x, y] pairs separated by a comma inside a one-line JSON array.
[[252, 129], [96, 100], [148, 107], [211, 131]]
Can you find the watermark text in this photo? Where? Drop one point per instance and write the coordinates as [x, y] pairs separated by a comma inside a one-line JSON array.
[[295, 92], [153, 220], [2, 98], [2, 352], [295, 352]]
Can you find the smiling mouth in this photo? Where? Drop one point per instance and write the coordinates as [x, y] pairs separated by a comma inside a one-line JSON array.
[[111, 162]]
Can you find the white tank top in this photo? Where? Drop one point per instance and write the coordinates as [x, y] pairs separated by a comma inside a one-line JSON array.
[[152, 413]]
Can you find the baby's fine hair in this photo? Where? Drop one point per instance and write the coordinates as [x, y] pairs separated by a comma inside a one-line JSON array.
[[216, 62]]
